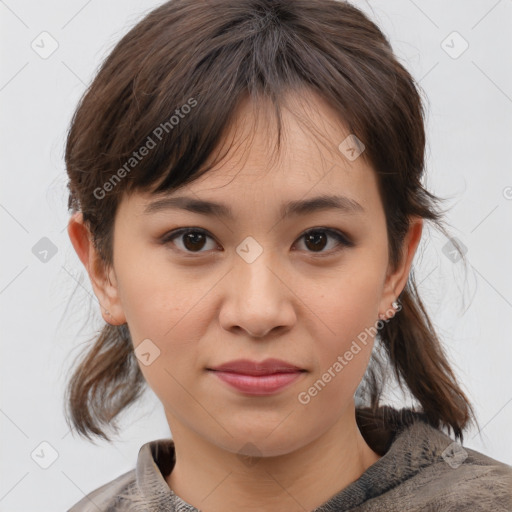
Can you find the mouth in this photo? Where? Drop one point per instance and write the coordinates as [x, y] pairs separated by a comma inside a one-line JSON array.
[[258, 378]]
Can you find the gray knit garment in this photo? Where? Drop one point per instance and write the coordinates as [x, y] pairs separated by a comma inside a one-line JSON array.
[[420, 469]]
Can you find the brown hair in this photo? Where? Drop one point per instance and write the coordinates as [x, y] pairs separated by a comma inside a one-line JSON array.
[[176, 79]]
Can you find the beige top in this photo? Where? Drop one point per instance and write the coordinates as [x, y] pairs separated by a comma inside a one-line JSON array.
[[420, 469]]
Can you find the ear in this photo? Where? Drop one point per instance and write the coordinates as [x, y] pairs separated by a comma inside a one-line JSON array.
[[396, 281], [103, 280]]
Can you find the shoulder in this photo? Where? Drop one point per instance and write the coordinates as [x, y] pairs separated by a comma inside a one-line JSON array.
[[108, 496], [451, 477], [467, 480], [138, 488], [426, 469]]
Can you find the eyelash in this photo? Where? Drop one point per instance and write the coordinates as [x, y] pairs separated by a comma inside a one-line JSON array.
[[342, 240]]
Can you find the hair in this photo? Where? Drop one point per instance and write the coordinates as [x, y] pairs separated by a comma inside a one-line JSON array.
[[183, 70]]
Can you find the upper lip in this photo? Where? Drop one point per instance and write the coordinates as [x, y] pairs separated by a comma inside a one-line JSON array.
[[266, 367]]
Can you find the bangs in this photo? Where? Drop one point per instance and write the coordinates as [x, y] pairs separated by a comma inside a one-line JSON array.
[[168, 93]]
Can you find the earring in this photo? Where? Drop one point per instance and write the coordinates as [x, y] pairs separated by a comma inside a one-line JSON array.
[[394, 305], [107, 312]]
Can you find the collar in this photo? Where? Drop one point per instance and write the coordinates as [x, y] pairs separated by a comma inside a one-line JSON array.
[[404, 439]]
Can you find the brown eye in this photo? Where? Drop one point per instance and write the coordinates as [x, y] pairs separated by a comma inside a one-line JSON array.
[[195, 240], [192, 240], [317, 239]]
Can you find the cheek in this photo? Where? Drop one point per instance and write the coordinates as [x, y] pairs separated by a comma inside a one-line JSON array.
[[349, 315], [349, 303], [154, 298], [164, 307], [342, 359]]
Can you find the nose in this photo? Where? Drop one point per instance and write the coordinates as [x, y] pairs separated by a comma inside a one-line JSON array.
[[257, 299]]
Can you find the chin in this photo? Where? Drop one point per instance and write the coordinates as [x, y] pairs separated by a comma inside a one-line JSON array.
[[252, 445]]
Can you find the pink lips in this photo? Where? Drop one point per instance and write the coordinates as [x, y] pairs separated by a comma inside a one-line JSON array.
[[258, 378]]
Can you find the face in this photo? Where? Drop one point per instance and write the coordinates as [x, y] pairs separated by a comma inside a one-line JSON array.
[[304, 287]]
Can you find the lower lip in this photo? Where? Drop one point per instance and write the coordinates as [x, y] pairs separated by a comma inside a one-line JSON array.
[[258, 384]]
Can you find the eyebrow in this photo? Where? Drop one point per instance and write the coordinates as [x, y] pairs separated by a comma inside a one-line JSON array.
[[291, 208]]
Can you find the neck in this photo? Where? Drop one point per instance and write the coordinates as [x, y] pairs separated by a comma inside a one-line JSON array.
[[214, 480]]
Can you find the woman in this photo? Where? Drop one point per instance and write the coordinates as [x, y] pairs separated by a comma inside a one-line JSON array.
[[245, 188]]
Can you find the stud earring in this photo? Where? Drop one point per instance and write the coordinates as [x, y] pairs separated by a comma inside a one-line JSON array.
[[107, 312], [394, 305]]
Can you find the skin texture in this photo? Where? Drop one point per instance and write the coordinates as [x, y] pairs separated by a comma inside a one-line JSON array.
[[211, 306]]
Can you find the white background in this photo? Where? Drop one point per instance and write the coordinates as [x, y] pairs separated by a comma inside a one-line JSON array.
[[468, 155]]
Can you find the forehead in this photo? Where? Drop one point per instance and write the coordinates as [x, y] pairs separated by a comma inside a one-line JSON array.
[[311, 132], [309, 161]]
